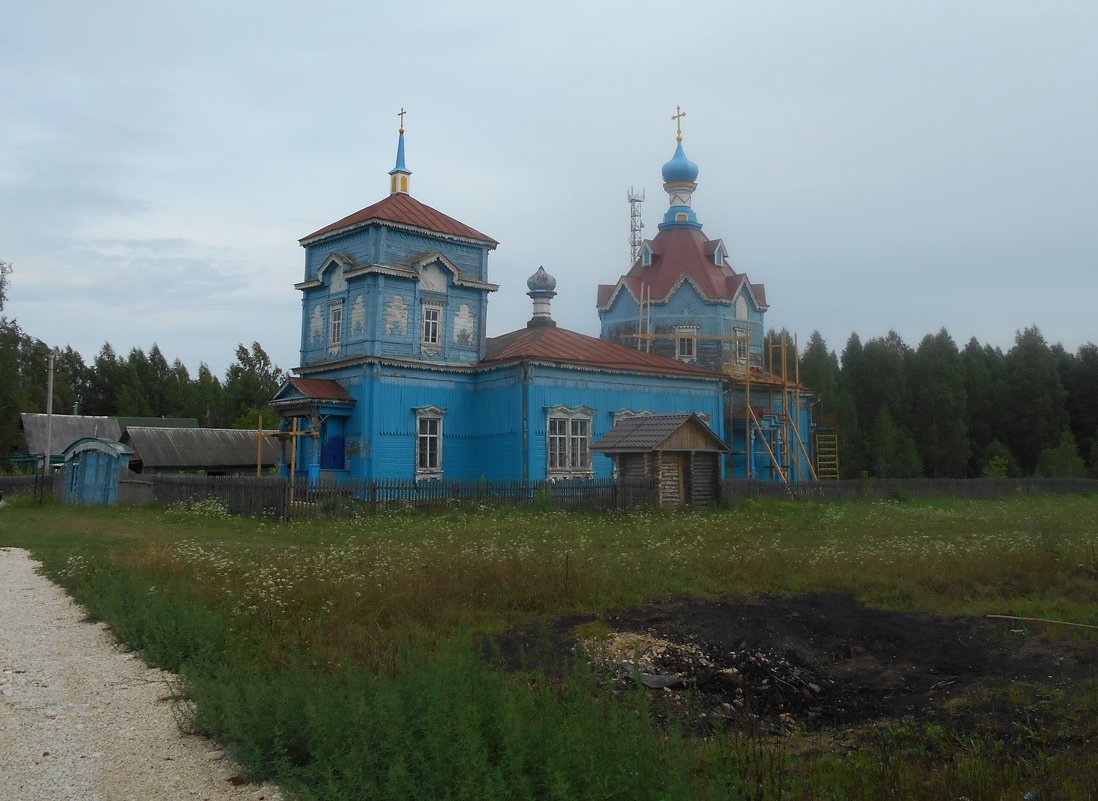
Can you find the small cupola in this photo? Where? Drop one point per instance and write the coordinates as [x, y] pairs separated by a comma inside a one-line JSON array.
[[542, 291], [679, 181]]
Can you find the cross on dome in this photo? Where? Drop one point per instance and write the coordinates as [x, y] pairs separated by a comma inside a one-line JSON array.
[[677, 117]]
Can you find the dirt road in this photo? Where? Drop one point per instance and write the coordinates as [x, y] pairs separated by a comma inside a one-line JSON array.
[[80, 720]]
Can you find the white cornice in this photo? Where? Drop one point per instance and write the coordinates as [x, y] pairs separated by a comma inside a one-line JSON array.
[[415, 229]]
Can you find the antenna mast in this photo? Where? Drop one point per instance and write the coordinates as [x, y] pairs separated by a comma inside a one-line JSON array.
[[635, 224]]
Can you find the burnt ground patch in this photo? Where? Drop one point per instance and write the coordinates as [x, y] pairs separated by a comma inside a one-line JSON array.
[[778, 663]]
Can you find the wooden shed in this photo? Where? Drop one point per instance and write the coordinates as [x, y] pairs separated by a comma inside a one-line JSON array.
[[678, 450]]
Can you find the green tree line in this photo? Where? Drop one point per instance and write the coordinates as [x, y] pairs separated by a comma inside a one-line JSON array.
[[138, 384], [936, 410], [946, 412]]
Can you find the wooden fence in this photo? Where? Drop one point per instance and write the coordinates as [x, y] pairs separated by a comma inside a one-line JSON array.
[[274, 497], [35, 484], [896, 488]]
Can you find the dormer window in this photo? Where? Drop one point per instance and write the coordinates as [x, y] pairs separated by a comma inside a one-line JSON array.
[[646, 256], [332, 272], [720, 255]]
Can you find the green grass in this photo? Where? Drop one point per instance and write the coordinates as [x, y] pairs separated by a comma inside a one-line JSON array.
[[337, 658]]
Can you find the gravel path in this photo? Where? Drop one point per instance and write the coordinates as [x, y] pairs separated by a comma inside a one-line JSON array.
[[82, 721]]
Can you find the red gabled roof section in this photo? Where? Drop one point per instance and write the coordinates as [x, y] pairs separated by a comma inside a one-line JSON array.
[[678, 254], [551, 344], [320, 389], [405, 210]]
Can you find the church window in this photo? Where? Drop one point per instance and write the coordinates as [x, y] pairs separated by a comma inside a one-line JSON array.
[[742, 344], [431, 338], [686, 342], [569, 442], [429, 442], [335, 328]]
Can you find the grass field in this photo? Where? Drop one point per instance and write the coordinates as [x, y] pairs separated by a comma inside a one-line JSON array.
[[339, 659]]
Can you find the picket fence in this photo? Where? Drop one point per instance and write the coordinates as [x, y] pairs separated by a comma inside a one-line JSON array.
[[272, 496], [275, 497]]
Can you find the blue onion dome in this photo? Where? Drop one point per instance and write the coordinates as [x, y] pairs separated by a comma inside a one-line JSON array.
[[541, 281], [680, 169]]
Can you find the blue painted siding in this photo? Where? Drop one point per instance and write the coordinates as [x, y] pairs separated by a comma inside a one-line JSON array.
[[752, 459], [686, 307], [374, 327], [607, 393]]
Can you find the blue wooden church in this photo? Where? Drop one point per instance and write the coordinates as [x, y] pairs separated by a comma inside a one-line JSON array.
[[399, 381]]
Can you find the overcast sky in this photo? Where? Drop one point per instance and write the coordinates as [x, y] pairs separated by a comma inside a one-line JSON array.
[[877, 165]]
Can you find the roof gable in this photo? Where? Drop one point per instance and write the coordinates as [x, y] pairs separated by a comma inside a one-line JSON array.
[[659, 432], [323, 389]]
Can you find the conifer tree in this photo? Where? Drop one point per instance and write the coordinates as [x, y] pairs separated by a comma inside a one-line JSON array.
[[1081, 382], [938, 407], [1035, 413]]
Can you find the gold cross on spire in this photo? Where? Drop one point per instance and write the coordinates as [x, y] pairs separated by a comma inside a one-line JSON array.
[[679, 114], [401, 115]]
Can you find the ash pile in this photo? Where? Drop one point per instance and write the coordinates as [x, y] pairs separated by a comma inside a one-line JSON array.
[[711, 687]]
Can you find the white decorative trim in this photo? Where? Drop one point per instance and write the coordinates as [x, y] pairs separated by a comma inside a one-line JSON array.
[[569, 411], [336, 325], [686, 333], [465, 326], [396, 316], [627, 414], [489, 243], [358, 317], [432, 346], [571, 416], [429, 471], [432, 279]]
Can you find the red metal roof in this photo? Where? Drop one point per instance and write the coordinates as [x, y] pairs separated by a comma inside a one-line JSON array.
[[551, 344], [679, 253], [406, 210], [320, 389]]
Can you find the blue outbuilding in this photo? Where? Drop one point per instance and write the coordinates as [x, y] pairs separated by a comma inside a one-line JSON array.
[[94, 468]]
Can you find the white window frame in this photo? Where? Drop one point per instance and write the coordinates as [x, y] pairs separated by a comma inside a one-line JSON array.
[[432, 324], [335, 327], [568, 435], [743, 344], [429, 433], [686, 343]]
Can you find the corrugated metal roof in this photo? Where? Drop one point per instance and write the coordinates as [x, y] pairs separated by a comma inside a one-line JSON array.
[[158, 422], [552, 344], [66, 429], [406, 210], [198, 448], [651, 431]]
